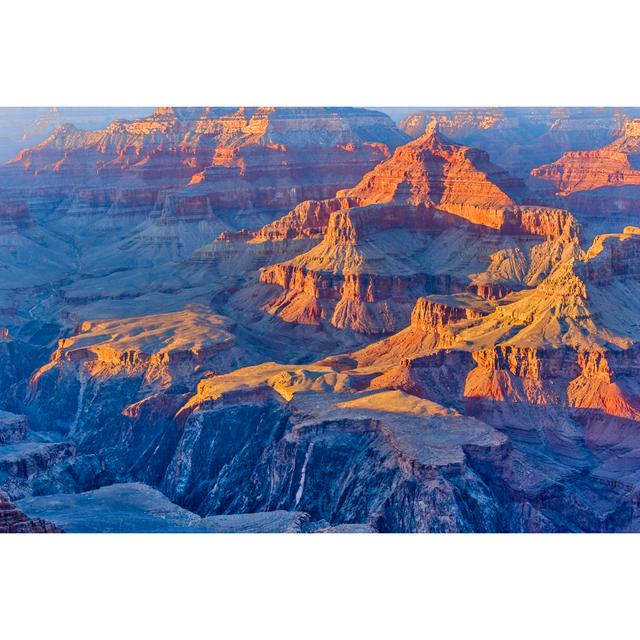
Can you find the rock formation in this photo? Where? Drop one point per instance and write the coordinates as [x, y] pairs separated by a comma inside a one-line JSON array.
[[597, 181], [128, 358], [390, 239], [12, 520], [13, 428], [608, 166]]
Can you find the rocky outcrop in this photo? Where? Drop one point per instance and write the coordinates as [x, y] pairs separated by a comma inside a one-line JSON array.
[[607, 383], [588, 170], [367, 303], [615, 254], [125, 358], [573, 305], [430, 315], [558, 224], [454, 123], [12, 520], [438, 376], [357, 277], [138, 508], [332, 282], [271, 438], [276, 177], [595, 181], [308, 219], [314, 439], [428, 331], [13, 428], [26, 464], [370, 266], [336, 459]]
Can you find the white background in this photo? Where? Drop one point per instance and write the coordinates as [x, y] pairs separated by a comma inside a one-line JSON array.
[[393, 53]]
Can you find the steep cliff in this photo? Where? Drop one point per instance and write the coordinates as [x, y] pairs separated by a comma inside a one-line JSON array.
[[597, 182], [126, 359]]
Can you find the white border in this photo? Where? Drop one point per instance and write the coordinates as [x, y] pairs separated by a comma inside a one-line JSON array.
[[331, 586], [329, 52]]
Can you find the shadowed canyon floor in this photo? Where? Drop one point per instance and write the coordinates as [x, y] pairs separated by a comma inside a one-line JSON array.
[[318, 320]]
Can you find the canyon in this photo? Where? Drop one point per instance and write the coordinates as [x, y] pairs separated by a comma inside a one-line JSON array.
[[316, 320]]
